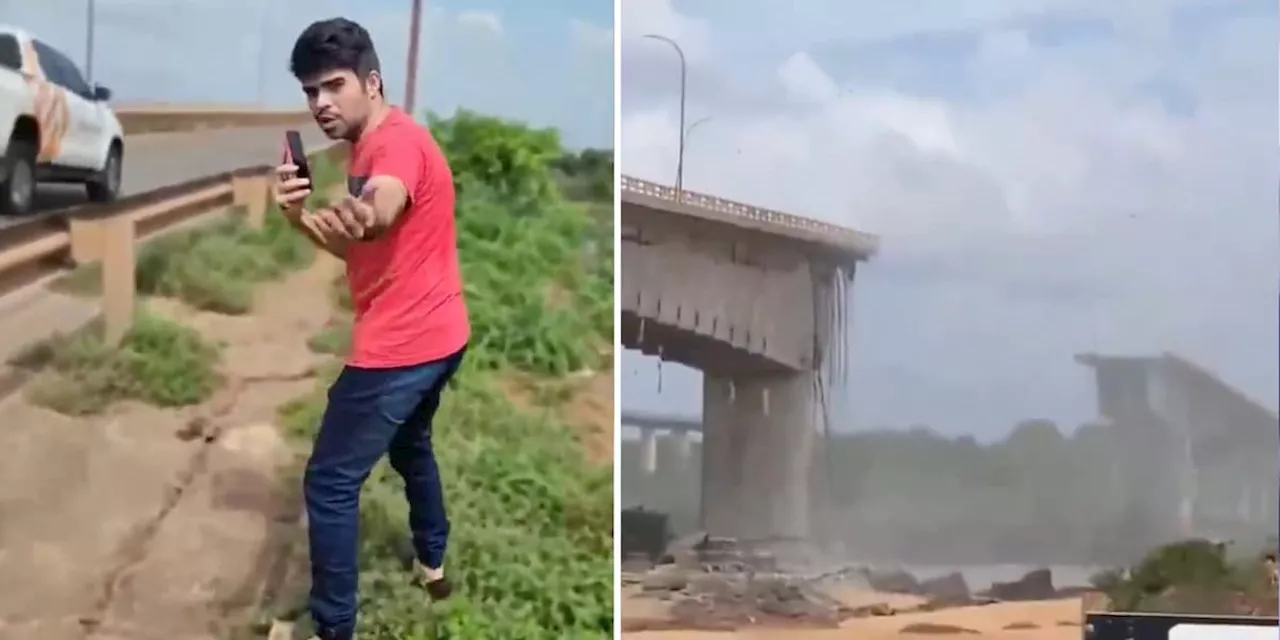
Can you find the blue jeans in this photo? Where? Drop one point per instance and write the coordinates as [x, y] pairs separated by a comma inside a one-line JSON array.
[[371, 412]]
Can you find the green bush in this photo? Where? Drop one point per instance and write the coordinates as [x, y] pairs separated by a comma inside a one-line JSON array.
[[159, 362], [587, 175], [215, 267], [509, 158], [532, 538], [1189, 576], [539, 293]]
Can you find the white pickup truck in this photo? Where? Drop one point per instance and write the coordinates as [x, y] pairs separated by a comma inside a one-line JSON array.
[[54, 126]]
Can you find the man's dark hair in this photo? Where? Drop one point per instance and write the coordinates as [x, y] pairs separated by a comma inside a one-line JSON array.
[[336, 44]]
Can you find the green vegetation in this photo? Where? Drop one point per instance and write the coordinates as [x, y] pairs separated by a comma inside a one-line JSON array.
[[587, 175], [159, 362], [531, 547], [1192, 576]]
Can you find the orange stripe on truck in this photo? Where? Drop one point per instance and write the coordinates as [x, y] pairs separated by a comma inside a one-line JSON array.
[[50, 107]]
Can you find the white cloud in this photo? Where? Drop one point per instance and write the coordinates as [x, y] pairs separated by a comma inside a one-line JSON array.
[[486, 20], [591, 36], [805, 81], [1034, 199]]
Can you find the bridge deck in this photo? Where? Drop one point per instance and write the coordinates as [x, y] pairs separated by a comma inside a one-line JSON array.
[[159, 159], [853, 244]]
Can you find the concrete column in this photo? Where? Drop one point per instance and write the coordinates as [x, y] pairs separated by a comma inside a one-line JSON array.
[[683, 446], [252, 192], [758, 439], [86, 239], [119, 266], [669, 461], [649, 451]]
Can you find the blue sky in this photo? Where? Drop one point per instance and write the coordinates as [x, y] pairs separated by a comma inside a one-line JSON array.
[[549, 63], [1047, 176]]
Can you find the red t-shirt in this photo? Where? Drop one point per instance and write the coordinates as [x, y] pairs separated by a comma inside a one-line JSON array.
[[406, 285]]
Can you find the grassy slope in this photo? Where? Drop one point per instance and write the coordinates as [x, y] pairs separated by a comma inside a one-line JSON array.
[[532, 520]]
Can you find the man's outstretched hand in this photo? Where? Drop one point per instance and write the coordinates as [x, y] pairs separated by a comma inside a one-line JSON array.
[[359, 213]]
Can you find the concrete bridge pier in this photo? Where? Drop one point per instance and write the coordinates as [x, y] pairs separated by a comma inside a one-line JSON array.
[[649, 451], [758, 440], [665, 451], [673, 453]]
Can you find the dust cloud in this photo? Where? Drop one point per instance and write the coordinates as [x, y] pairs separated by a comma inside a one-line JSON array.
[[1163, 449]]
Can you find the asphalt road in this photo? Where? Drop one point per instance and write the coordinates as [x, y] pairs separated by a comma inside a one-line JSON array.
[[156, 160]]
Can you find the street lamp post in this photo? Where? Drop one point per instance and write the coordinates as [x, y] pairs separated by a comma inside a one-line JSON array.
[[411, 81], [696, 123], [684, 139], [684, 76]]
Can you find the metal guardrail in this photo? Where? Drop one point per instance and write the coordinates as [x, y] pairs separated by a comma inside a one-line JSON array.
[[33, 249], [692, 202], [159, 119]]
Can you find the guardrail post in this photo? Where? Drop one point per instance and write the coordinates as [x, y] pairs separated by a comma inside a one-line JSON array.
[[86, 239], [250, 192], [119, 264]]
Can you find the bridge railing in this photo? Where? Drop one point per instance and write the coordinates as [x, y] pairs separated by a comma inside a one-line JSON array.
[[866, 242], [171, 119]]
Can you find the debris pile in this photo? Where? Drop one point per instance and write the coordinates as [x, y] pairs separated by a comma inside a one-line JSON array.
[[716, 584]]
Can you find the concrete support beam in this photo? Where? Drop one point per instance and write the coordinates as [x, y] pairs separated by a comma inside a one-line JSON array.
[[758, 439], [683, 446], [251, 192], [86, 239], [749, 297], [110, 240], [672, 454], [649, 451], [119, 286]]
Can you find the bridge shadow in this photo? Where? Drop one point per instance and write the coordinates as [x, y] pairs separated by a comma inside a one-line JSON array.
[[695, 350]]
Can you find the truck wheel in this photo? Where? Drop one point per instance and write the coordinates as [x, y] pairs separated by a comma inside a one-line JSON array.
[[18, 180], [104, 186]]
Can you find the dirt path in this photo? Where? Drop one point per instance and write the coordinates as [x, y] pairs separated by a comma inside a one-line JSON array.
[[1046, 620], [147, 523]]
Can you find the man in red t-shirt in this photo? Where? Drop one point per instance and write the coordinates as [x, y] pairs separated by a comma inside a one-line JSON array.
[[396, 233]]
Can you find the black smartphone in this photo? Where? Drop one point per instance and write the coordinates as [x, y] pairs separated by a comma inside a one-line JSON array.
[[297, 155]]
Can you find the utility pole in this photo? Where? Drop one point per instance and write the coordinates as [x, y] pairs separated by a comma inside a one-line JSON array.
[[263, 64], [90, 24], [411, 81]]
